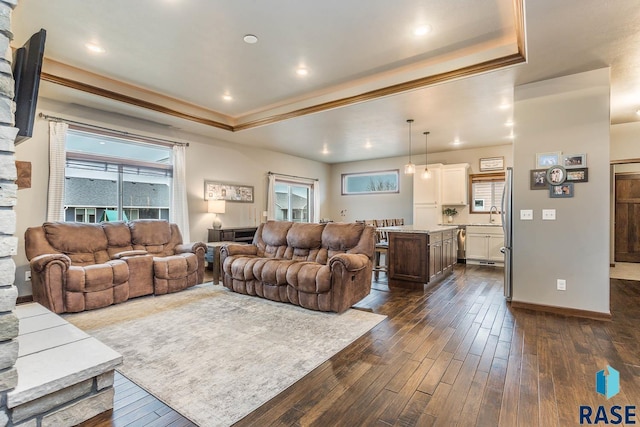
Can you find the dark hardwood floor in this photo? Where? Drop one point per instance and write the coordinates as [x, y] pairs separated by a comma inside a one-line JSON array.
[[453, 354]]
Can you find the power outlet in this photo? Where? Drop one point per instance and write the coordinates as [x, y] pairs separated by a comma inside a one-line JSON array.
[[27, 275], [562, 285]]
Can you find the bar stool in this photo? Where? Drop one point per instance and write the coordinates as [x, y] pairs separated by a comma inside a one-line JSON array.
[[382, 247]]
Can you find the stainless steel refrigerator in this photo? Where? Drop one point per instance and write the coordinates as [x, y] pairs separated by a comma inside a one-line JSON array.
[[507, 227]]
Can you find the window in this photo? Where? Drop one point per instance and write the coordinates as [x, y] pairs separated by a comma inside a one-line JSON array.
[[486, 192], [293, 201], [111, 179]]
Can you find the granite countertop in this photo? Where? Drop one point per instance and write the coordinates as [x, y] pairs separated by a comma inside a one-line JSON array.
[[412, 229]]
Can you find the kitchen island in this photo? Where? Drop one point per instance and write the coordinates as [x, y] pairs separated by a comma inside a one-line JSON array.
[[418, 256]]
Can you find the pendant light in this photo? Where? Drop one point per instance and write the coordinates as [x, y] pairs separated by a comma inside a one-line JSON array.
[[426, 174], [409, 168]]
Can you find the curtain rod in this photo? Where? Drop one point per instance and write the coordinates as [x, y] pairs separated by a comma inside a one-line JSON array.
[[114, 131], [292, 176]]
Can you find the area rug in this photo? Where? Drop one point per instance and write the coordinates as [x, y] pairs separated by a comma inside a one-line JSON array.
[[215, 355]]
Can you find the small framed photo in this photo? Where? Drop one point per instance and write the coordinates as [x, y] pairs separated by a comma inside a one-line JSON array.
[[544, 160], [556, 175], [578, 175], [492, 164], [571, 161], [539, 179], [561, 191]]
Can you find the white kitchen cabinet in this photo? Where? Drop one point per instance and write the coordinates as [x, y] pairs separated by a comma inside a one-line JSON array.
[[426, 215], [483, 244], [427, 190], [455, 182]]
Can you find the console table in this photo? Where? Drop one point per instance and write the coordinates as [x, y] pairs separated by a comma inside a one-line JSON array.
[[232, 234]]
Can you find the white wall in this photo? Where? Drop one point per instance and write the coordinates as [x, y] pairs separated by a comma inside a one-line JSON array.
[[568, 114], [625, 141], [400, 205], [207, 159]]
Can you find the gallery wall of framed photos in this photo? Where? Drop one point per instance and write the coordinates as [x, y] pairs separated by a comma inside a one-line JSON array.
[[558, 173]]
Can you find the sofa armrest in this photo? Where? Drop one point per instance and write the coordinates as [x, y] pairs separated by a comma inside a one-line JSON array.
[[39, 263], [351, 262], [191, 247], [48, 278], [231, 249], [125, 254]]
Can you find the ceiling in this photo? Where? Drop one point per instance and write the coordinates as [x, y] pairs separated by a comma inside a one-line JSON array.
[[171, 62]]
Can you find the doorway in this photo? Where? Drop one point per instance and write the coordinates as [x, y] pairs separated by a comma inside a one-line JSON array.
[[626, 221]]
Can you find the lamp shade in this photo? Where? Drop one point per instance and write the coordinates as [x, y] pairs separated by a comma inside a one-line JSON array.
[[216, 206]]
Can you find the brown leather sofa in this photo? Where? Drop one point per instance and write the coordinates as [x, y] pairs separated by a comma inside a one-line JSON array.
[[76, 266], [324, 267]]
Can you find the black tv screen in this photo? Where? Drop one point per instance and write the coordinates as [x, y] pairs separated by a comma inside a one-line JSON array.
[[27, 66]]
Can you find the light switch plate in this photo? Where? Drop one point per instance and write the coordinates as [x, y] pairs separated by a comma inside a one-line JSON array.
[[549, 214], [526, 214]]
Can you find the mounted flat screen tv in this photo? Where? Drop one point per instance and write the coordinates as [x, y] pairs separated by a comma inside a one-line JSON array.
[[27, 66]]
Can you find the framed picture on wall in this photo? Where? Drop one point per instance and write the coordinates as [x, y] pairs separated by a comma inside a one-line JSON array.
[[228, 192], [538, 179], [545, 160], [571, 161], [561, 191], [578, 175], [556, 175], [492, 164]]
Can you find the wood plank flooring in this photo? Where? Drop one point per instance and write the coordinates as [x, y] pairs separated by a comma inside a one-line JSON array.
[[453, 354]]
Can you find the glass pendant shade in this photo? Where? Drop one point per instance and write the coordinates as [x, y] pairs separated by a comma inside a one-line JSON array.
[[409, 168], [426, 174]]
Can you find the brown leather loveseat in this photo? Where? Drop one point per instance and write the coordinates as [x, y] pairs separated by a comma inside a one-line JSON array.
[[76, 266], [324, 267]]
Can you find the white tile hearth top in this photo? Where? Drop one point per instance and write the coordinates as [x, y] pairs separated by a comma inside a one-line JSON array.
[[54, 354]]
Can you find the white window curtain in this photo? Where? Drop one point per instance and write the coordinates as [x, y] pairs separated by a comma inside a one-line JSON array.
[[57, 161], [316, 201], [271, 198], [179, 207]]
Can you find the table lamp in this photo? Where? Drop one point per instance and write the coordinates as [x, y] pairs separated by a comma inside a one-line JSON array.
[[216, 207]]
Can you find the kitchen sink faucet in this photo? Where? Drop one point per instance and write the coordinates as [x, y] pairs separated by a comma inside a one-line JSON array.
[[491, 209]]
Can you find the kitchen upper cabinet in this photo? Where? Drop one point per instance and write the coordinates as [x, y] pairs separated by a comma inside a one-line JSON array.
[[427, 190], [454, 182]]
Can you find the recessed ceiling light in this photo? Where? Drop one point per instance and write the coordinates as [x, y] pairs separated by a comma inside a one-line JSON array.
[[227, 97], [302, 71], [325, 149], [422, 30], [509, 123], [250, 39], [638, 111], [504, 106], [456, 141], [367, 144], [93, 47]]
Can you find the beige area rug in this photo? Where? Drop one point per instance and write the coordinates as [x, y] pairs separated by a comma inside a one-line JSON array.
[[625, 270], [214, 355]]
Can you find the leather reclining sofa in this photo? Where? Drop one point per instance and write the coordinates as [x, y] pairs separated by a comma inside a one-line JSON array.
[[325, 267], [76, 266]]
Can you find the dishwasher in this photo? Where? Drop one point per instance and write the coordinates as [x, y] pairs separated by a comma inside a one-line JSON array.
[[461, 241]]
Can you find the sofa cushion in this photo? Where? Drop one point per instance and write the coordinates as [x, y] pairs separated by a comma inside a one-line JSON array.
[[118, 237], [271, 239], [271, 271], [309, 277], [150, 232], [340, 237], [84, 243]]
